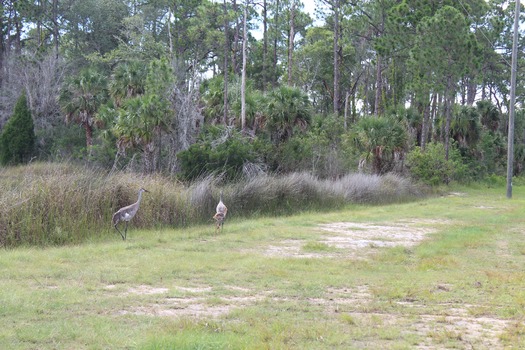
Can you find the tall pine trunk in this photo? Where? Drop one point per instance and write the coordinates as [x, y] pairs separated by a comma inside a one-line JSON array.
[[225, 66], [336, 57], [275, 41], [379, 87], [243, 78], [426, 119], [291, 36], [449, 96], [235, 65], [378, 105], [265, 45]]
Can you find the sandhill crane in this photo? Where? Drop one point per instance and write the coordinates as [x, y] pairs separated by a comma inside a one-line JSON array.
[[220, 215], [126, 214]]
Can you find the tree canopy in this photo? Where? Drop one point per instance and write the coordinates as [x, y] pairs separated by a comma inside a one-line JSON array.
[[148, 80]]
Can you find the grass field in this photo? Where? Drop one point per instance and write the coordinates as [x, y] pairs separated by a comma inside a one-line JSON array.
[[444, 272]]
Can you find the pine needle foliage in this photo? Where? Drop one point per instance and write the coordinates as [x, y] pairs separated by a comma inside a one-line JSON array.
[[17, 140]]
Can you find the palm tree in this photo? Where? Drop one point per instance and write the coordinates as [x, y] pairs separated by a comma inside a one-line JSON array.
[[142, 118], [489, 114], [287, 109], [128, 80], [81, 98], [379, 139], [465, 127]]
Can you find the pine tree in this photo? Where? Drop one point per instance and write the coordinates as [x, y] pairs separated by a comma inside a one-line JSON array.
[[17, 139]]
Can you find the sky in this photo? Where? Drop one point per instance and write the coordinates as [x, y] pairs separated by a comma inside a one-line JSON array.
[[309, 7]]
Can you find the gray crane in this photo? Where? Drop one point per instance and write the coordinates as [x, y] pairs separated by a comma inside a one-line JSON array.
[[127, 213], [220, 215]]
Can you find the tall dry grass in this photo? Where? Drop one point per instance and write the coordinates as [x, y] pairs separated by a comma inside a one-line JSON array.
[[51, 204]]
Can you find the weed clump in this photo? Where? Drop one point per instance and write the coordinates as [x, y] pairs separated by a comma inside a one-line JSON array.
[[54, 204]]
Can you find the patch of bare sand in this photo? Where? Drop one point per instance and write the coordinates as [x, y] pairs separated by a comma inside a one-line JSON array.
[[434, 323], [473, 331], [453, 320], [145, 290], [194, 307], [195, 302], [358, 240]]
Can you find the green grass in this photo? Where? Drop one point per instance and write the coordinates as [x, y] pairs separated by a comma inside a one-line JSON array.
[[45, 204], [185, 288]]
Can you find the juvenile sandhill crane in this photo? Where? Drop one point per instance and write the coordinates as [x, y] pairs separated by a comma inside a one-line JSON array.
[[126, 214], [220, 215]]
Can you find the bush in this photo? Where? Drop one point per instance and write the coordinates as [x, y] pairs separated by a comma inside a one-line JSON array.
[[318, 151], [18, 136], [219, 151], [378, 140], [61, 142], [431, 167]]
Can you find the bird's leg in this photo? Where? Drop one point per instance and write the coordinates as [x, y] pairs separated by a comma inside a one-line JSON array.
[[126, 230], [121, 235]]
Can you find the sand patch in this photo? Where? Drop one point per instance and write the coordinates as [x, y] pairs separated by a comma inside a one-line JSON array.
[[436, 325], [200, 303], [191, 307], [145, 290], [358, 240], [453, 321]]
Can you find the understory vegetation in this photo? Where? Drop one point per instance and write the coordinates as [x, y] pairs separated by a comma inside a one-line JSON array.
[[51, 203], [238, 89]]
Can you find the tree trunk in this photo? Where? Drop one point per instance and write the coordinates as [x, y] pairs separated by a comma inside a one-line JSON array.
[[39, 22], [275, 41], [149, 157], [2, 47], [472, 90], [225, 66], [377, 162], [56, 28], [336, 56], [378, 107], [291, 36], [347, 96], [235, 65], [89, 137], [170, 36], [379, 87], [425, 124], [448, 114], [243, 78], [18, 34], [265, 45]]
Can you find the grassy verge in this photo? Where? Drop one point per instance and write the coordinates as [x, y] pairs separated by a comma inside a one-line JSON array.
[[282, 283], [55, 204]]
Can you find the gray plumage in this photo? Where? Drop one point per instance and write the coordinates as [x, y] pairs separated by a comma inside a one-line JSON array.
[[220, 215], [126, 214]]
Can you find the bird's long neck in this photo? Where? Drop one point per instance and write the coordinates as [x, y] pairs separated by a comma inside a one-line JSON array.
[[140, 198]]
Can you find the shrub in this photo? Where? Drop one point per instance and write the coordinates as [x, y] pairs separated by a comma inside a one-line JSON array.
[[431, 167], [18, 136], [288, 109], [378, 140], [319, 150], [219, 151]]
